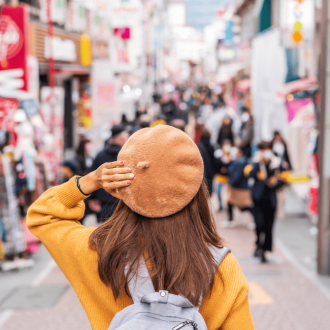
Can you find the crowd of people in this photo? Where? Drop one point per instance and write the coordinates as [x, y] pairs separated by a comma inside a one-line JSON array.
[[253, 175]]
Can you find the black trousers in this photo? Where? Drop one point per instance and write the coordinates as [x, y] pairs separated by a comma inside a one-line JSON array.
[[264, 215]]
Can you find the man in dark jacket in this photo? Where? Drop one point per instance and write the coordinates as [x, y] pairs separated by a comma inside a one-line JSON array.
[[101, 201]]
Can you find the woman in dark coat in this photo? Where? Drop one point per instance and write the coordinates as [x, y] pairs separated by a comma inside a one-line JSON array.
[[226, 132]]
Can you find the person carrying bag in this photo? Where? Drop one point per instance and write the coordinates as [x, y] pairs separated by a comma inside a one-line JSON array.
[[239, 193]]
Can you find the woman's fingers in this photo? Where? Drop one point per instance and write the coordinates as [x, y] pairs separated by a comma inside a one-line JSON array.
[[115, 185], [119, 170], [113, 164], [117, 177]]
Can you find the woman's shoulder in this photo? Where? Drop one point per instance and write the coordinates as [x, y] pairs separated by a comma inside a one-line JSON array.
[[230, 274], [229, 288]]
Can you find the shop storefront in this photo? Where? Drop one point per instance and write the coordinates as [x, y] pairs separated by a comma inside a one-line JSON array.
[[72, 80]]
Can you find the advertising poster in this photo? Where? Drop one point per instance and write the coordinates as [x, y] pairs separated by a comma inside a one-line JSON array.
[[7, 110], [84, 108]]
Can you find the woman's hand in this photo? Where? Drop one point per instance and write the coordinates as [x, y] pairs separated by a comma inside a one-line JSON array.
[[109, 176]]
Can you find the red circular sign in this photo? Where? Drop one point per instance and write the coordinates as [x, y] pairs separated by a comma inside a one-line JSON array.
[[11, 38]]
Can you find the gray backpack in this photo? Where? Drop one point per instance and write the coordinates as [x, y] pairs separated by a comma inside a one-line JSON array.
[[159, 310]]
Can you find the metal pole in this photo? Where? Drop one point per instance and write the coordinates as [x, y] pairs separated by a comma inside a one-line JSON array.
[[324, 147]]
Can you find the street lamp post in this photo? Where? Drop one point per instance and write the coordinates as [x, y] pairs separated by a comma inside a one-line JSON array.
[[324, 146]]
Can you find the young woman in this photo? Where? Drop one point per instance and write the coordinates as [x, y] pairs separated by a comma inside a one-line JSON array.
[[163, 217]]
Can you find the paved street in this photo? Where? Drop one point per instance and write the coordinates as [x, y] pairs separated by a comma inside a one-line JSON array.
[[281, 296]]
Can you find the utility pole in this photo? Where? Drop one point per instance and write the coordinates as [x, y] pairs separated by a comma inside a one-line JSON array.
[[324, 147]]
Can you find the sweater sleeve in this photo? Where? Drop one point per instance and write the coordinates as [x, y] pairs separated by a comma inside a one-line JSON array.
[[228, 307], [53, 218], [239, 317]]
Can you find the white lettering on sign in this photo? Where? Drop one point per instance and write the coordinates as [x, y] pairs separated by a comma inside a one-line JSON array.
[[10, 79], [62, 50]]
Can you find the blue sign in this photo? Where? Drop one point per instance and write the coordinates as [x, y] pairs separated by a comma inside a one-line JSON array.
[[30, 107]]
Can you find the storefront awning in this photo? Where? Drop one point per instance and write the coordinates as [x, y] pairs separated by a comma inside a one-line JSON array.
[[296, 86], [66, 69]]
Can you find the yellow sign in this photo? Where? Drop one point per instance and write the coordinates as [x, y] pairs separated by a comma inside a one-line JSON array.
[[86, 50]]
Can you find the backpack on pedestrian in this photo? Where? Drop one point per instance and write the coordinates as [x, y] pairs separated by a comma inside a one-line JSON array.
[[159, 310]]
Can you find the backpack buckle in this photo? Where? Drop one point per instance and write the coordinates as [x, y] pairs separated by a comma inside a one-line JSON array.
[[163, 296]]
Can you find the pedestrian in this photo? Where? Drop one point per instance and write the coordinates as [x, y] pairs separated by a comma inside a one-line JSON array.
[[280, 149], [168, 108], [222, 162], [247, 132], [161, 238], [69, 170], [101, 202], [226, 132], [239, 193], [266, 173], [207, 152], [82, 156]]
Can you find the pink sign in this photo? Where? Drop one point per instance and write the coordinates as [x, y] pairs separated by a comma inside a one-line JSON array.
[[106, 94], [124, 33], [295, 106]]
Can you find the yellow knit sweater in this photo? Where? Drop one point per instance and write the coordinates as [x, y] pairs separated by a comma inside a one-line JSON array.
[[53, 218]]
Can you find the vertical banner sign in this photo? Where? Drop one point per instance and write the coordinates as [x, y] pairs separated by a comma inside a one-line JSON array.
[[14, 47], [297, 22]]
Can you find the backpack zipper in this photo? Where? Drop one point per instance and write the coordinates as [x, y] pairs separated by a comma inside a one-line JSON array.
[[183, 324]]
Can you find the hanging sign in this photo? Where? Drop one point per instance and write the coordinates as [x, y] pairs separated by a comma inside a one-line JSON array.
[[297, 19], [14, 47]]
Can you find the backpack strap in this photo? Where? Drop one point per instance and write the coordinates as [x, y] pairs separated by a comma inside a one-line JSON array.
[[141, 284], [218, 255]]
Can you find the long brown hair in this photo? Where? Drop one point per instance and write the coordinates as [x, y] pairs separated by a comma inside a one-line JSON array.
[[175, 247]]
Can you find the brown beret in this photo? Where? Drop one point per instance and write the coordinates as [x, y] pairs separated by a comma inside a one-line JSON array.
[[168, 171]]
